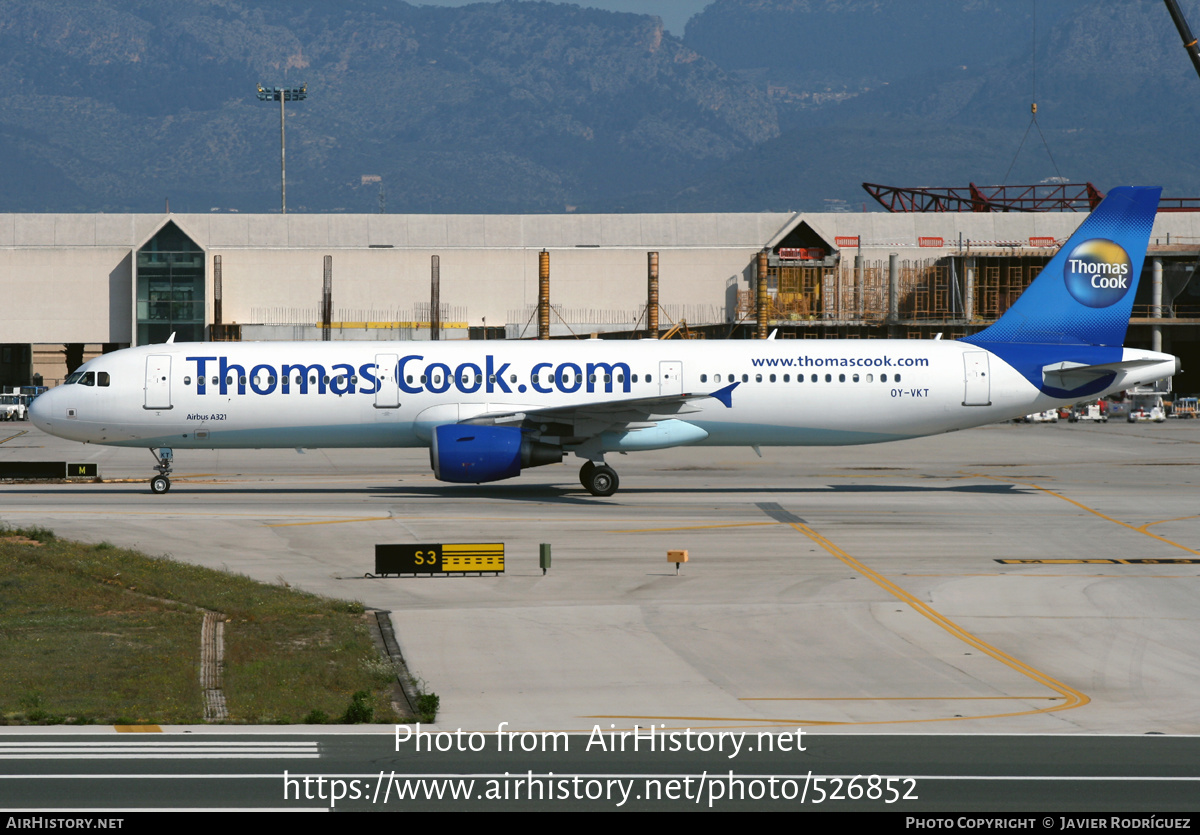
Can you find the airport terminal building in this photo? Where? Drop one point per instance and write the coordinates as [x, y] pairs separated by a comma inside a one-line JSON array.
[[73, 285]]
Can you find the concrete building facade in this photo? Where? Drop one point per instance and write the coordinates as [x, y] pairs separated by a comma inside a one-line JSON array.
[[75, 284]]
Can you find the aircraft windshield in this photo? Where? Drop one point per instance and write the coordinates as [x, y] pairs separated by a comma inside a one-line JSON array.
[[88, 378]]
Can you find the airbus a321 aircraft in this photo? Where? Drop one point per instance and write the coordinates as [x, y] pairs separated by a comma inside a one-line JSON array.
[[488, 410]]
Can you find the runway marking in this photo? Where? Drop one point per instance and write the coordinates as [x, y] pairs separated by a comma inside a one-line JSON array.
[[1082, 506], [613, 775], [1024, 576], [331, 522], [16, 435], [137, 729], [164, 750]]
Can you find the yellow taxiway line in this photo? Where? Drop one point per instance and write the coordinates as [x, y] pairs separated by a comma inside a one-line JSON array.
[[1142, 530]]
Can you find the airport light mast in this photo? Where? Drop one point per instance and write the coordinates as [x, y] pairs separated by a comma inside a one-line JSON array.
[[281, 95]]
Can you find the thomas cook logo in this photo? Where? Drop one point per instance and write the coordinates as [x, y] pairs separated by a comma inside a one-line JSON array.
[[1098, 273]]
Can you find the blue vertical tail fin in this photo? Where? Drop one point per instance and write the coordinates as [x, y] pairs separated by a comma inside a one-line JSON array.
[[1085, 294]]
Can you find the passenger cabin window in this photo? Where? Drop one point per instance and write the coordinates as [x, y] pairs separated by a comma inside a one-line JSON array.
[[187, 381]]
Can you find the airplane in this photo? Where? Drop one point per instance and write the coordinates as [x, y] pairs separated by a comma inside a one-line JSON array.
[[489, 410]]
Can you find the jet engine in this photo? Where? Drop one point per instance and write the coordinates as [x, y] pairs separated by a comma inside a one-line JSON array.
[[466, 454]]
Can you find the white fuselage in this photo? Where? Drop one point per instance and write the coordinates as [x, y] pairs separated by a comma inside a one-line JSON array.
[[391, 394]]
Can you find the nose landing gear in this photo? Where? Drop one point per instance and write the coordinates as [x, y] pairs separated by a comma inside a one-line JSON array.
[[161, 483]]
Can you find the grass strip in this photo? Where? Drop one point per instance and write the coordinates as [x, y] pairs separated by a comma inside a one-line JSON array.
[[105, 635]]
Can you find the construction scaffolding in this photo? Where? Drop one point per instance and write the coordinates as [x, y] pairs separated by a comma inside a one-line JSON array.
[[999, 282], [860, 291]]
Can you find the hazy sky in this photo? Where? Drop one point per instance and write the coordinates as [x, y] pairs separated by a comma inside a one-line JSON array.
[[675, 13]]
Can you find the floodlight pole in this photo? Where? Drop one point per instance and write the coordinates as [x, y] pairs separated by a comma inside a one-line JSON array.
[[282, 160], [282, 94]]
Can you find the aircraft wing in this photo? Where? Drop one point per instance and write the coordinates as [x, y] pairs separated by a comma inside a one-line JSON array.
[[592, 418]]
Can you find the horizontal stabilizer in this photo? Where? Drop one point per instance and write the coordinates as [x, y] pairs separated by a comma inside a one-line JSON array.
[[1073, 375]]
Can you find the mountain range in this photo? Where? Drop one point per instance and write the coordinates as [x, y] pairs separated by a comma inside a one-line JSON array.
[[120, 105]]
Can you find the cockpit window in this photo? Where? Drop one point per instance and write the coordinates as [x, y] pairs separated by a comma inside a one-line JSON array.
[[102, 378], [89, 379], [73, 378]]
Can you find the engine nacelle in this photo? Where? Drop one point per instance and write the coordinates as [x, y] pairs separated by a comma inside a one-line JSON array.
[[467, 454]]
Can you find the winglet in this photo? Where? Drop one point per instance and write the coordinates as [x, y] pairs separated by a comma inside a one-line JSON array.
[[725, 395]]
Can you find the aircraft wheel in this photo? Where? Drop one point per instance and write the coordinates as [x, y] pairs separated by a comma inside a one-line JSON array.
[[585, 472], [602, 481], [160, 484]]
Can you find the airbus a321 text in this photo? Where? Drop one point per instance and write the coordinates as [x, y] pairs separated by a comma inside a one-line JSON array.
[[488, 410]]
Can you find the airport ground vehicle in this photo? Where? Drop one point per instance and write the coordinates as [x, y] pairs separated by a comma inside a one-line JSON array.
[[1048, 416], [12, 407], [1146, 408], [1091, 411], [1185, 407]]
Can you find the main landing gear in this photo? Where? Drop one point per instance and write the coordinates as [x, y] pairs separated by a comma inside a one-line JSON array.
[[598, 479], [161, 483]]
